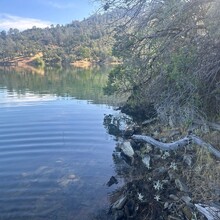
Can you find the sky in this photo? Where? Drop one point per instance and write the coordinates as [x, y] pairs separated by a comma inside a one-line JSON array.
[[24, 14]]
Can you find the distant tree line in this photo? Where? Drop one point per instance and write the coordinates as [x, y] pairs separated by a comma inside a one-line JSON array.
[[62, 44]]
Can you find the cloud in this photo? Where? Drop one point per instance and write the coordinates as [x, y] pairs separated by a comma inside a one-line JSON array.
[[8, 21], [61, 5]]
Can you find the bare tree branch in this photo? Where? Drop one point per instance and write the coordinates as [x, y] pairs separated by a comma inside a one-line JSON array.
[[178, 144]]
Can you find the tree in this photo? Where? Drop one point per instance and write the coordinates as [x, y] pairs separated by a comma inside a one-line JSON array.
[[170, 55]]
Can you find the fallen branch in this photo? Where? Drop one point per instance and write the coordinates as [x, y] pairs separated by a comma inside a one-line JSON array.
[[163, 146], [178, 144], [210, 212]]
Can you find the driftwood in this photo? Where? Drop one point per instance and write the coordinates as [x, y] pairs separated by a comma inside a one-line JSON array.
[[178, 144], [210, 212]]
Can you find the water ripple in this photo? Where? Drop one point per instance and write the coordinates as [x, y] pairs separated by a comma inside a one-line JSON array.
[[55, 156]]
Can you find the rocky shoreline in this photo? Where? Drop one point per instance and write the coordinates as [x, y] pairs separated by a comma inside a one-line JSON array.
[[159, 184]]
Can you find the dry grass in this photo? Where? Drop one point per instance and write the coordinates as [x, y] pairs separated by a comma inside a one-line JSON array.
[[23, 63], [203, 178], [82, 64]]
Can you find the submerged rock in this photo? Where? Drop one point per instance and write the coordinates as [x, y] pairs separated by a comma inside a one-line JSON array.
[[113, 130], [66, 180], [112, 181]]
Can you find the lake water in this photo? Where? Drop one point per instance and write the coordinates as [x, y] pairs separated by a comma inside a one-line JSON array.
[[55, 154]]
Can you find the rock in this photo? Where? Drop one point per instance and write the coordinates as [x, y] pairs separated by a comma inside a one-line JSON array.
[[119, 204], [146, 161], [188, 159], [181, 186], [188, 213], [170, 206], [127, 152], [166, 205], [128, 132], [127, 149], [108, 119], [71, 176], [66, 180], [113, 130], [134, 145], [171, 122], [173, 197], [186, 199], [112, 181], [119, 215]]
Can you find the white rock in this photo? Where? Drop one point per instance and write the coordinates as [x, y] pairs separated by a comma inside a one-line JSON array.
[[146, 161], [127, 149], [119, 204]]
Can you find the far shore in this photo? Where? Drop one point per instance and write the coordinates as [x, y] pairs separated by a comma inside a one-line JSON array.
[[25, 62], [82, 64]]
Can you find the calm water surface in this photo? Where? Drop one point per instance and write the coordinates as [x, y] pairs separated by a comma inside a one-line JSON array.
[[55, 154]]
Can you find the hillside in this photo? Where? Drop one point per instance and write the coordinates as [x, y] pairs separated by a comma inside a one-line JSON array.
[[90, 40]]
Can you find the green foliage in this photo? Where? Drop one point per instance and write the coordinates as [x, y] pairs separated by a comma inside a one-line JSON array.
[[72, 82], [114, 80], [83, 53], [177, 69], [88, 39], [170, 53]]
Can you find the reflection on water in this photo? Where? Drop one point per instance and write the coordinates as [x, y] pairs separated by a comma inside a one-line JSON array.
[[79, 83], [14, 99], [55, 155]]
